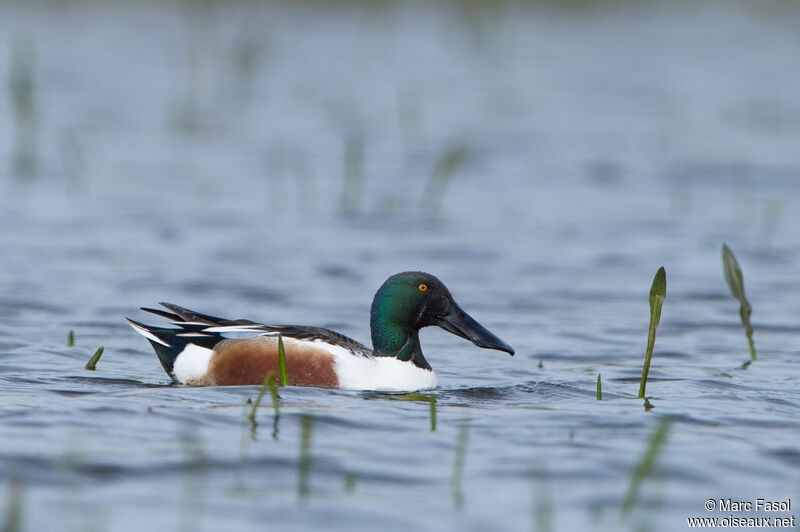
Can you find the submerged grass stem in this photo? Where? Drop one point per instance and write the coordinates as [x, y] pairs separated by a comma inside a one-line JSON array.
[[416, 396], [273, 392], [458, 464], [433, 412], [24, 107], [353, 176], [350, 482], [269, 380], [658, 291], [304, 461], [13, 520], [542, 502], [646, 464]]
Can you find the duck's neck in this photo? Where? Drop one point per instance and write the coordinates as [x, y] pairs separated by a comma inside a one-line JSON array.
[[391, 340]]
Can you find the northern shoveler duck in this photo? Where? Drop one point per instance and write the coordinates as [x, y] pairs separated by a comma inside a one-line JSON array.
[[206, 350]]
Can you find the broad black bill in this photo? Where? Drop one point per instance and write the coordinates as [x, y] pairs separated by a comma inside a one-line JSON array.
[[461, 324]]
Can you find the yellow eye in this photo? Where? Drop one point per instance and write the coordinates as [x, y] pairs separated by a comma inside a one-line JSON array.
[[422, 287]]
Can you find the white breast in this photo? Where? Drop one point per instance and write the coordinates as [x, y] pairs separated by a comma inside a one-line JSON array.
[[381, 374]]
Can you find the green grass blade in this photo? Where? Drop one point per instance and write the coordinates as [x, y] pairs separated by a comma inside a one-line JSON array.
[[735, 280], [646, 464], [658, 292], [71, 339], [95, 358], [282, 362], [599, 389], [412, 396], [733, 273]]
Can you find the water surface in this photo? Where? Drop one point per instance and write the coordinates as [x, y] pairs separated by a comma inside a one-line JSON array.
[[278, 162]]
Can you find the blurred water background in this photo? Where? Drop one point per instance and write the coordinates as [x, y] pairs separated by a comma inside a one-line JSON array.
[[278, 160]]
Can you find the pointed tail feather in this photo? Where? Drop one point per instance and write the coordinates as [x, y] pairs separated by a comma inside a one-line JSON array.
[[164, 343], [169, 343], [158, 312], [189, 315]]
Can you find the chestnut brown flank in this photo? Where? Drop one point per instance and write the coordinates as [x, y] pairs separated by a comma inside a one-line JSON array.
[[242, 362]]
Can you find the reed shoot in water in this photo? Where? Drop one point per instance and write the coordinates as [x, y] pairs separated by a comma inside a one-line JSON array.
[[282, 362], [599, 389], [71, 339], [95, 358], [735, 280], [658, 291]]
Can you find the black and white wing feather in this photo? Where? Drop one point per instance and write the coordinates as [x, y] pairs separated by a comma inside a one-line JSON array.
[[206, 330]]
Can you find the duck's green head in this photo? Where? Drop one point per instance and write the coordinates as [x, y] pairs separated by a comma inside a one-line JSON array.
[[408, 301]]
